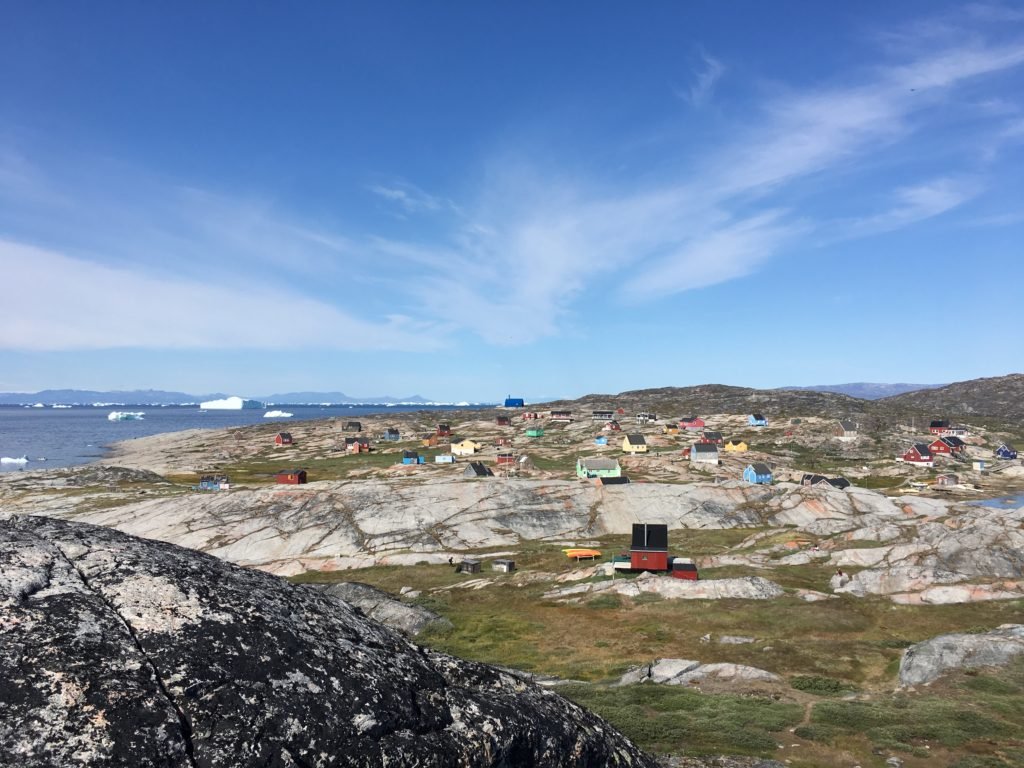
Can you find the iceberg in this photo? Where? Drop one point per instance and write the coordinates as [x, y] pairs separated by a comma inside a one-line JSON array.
[[9, 460], [60, 406], [276, 415], [126, 415], [230, 404]]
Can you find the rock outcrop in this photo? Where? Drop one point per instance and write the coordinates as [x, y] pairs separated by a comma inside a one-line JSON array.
[[120, 651], [744, 588], [925, 662], [686, 671], [385, 608]]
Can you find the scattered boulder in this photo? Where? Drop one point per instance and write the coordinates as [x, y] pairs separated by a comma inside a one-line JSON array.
[[927, 661], [687, 671], [381, 606], [121, 651], [743, 588]]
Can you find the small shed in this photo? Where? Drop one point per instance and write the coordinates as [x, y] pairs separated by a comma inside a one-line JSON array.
[[468, 566], [757, 420], [391, 434], [620, 480], [352, 426], [477, 469], [428, 441], [979, 465], [947, 480], [634, 443], [1006, 451], [508, 459], [411, 457], [503, 565], [649, 548], [503, 421], [290, 477], [758, 473], [671, 429], [214, 483], [503, 442], [444, 458], [613, 426], [535, 432], [283, 438], [683, 568]]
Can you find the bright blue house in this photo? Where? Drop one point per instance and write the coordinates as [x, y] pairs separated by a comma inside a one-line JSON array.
[[600, 440], [411, 457], [758, 473], [515, 402], [1006, 451], [757, 420]]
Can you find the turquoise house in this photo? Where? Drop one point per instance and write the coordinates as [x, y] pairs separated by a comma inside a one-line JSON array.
[[597, 467], [600, 440], [757, 420], [759, 474], [535, 432]]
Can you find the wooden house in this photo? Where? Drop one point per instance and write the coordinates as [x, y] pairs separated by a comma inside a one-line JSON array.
[[613, 426], [444, 458], [704, 453], [919, 455], [758, 473], [503, 442], [670, 429], [290, 477], [392, 435], [757, 420], [947, 480], [646, 417], [692, 423], [648, 550], [634, 444], [589, 468], [531, 415], [357, 445], [845, 429], [465, 447], [1006, 451], [503, 421], [600, 440], [411, 457], [938, 426], [429, 441], [477, 469], [948, 446], [506, 459], [283, 438], [443, 430], [468, 566], [710, 436], [503, 565], [565, 416], [514, 402], [602, 415], [736, 446], [821, 480], [535, 432], [352, 426]]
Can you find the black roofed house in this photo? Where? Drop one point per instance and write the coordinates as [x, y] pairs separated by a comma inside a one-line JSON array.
[[710, 436], [620, 480], [602, 415], [357, 445], [634, 443], [443, 430], [947, 480], [646, 417], [845, 429], [352, 426], [758, 473], [477, 469], [704, 453], [392, 434], [833, 482], [949, 445], [283, 438], [938, 426], [561, 415], [919, 454]]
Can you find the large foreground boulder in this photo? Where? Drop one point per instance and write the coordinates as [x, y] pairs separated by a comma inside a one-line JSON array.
[[927, 661], [117, 651], [382, 606]]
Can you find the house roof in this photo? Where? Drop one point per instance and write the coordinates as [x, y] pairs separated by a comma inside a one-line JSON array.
[[953, 441], [1007, 446], [285, 435], [598, 463], [923, 449], [712, 435], [636, 439], [938, 423], [478, 469], [848, 425], [392, 431], [410, 455], [760, 469], [689, 418], [704, 448], [291, 472], [758, 417], [622, 480]]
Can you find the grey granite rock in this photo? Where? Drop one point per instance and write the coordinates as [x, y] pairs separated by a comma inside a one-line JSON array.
[[118, 651], [381, 606], [927, 661]]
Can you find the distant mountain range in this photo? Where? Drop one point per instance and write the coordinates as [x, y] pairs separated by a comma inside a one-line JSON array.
[[162, 397], [867, 390]]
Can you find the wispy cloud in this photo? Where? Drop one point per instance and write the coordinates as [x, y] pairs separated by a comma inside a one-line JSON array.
[[409, 197], [705, 80]]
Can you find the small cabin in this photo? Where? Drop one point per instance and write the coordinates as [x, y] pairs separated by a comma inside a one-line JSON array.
[[1006, 451], [290, 477], [613, 426], [392, 435], [649, 548], [503, 565], [443, 430], [468, 566], [831, 482], [845, 429], [477, 469], [600, 440], [283, 438], [670, 429], [710, 436], [704, 453], [535, 432], [758, 473], [506, 459], [947, 480], [428, 441], [411, 457], [503, 442], [692, 423], [352, 426], [919, 455], [503, 421], [683, 568], [757, 420], [514, 402], [357, 445], [565, 416], [531, 415], [602, 415], [444, 458], [634, 444], [736, 446], [938, 426], [465, 447], [589, 468]]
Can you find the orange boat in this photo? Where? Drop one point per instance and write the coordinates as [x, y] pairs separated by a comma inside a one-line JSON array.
[[581, 554]]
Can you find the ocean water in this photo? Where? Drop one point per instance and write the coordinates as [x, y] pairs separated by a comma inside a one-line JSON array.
[[64, 437]]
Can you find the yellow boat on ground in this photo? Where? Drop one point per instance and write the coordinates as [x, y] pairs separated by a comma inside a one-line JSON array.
[[582, 554]]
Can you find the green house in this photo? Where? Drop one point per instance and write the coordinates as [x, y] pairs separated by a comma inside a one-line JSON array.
[[535, 432], [597, 467]]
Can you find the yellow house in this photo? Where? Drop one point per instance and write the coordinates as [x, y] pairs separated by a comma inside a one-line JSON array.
[[465, 447], [671, 429], [737, 446], [634, 444]]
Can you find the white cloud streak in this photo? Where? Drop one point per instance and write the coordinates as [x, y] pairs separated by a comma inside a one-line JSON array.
[[707, 78]]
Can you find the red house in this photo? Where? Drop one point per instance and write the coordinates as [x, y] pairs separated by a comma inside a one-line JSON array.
[[529, 415], [937, 427], [919, 454], [692, 422], [283, 438], [715, 438], [290, 477], [506, 458], [948, 446], [649, 550], [504, 421], [503, 441], [613, 426], [443, 430]]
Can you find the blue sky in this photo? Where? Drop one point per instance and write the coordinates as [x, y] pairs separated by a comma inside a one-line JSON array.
[[467, 200]]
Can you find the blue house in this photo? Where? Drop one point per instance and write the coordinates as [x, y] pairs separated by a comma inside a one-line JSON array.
[[757, 420], [411, 457], [600, 440], [392, 434], [1006, 451], [515, 402], [758, 473]]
